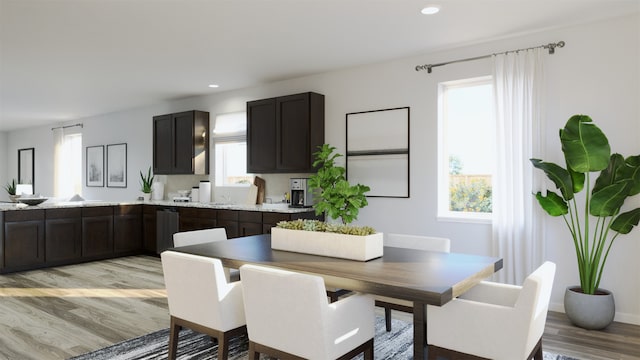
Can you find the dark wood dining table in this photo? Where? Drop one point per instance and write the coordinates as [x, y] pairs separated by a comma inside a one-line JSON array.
[[424, 277]]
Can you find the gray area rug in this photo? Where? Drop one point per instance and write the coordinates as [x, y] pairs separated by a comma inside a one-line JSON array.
[[397, 344]]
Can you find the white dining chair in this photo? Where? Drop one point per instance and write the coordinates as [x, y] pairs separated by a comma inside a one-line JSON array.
[[200, 298], [493, 320], [289, 317], [195, 237], [418, 242]]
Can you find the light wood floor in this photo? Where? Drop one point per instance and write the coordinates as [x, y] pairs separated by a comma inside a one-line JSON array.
[[66, 311]]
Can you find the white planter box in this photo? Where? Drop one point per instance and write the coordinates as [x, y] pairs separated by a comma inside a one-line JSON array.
[[352, 247]]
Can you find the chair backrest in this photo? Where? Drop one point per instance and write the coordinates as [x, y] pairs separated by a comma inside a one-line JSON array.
[[534, 298], [285, 310], [418, 242], [195, 237], [198, 291]]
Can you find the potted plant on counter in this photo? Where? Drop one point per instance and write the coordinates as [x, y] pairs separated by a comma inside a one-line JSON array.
[[146, 182], [338, 200], [596, 219], [11, 190]]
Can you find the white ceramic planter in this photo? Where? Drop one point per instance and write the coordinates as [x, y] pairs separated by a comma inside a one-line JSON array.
[[354, 247]]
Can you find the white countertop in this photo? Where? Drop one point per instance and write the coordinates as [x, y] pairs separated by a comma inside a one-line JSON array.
[[49, 204]]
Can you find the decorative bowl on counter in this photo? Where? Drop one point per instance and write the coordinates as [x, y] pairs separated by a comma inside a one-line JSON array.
[[31, 201]]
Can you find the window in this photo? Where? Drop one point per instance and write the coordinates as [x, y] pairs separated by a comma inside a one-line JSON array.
[[466, 149], [230, 149], [68, 164]]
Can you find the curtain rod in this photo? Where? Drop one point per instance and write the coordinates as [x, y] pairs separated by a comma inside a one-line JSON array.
[[67, 126], [551, 46]]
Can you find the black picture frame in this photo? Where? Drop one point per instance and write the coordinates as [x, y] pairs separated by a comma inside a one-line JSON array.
[[117, 165], [26, 166], [94, 166]]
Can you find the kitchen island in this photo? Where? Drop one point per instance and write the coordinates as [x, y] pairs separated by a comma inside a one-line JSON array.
[[61, 233]]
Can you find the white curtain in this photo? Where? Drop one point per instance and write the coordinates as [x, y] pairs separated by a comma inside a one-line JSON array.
[[58, 161], [67, 165], [517, 228]]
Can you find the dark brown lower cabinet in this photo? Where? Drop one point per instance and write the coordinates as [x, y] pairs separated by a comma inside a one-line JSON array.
[[63, 235], [197, 219], [97, 231], [249, 223], [228, 219], [127, 229], [23, 239], [149, 228]]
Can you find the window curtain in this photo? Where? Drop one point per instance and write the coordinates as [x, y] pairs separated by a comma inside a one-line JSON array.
[[517, 228], [58, 163]]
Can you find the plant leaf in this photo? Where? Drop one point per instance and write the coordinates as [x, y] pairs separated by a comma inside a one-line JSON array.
[[608, 200], [625, 222], [553, 204], [585, 146], [558, 175], [631, 171], [610, 174]]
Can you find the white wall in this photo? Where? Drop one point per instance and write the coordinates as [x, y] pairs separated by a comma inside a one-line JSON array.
[[4, 168], [597, 73]]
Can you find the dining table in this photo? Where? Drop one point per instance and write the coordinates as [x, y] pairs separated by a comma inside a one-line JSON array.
[[423, 277]]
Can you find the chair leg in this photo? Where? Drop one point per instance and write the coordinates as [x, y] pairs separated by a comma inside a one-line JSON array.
[[173, 339], [253, 354], [387, 318], [368, 351], [537, 351], [223, 347]]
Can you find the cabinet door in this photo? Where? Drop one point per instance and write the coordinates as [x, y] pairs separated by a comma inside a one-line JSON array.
[[228, 219], [183, 142], [127, 229], [63, 236], [149, 228], [24, 244], [97, 232], [261, 136], [162, 144], [292, 116]]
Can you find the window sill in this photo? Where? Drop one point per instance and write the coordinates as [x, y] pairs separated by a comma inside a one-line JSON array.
[[455, 218]]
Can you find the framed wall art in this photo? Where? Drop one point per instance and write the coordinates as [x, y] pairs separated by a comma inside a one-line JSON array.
[[117, 165], [95, 166], [378, 151]]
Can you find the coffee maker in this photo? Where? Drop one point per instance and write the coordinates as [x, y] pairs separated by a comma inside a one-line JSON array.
[[301, 195]]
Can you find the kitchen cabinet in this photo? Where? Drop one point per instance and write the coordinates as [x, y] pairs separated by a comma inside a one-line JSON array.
[[97, 232], [181, 143], [63, 235], [23, 242], [149, 228], [249, 223], [127, 229], [284, 132], [197, 219], [228, 219]]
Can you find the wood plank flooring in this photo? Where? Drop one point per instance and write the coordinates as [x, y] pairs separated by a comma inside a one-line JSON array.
[[67, 311]]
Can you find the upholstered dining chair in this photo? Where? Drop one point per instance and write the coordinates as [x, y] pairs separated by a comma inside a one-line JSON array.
[[289, 317], [206, 303], [493, 321], [418, 242], [195, 237]]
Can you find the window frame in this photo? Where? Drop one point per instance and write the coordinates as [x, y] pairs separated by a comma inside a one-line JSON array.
[[237, 137], [443, 199]]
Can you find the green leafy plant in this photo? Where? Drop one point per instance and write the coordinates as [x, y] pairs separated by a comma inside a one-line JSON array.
[[595, 220], [146, 181], [336, 197], [317, 225], [11, 187]]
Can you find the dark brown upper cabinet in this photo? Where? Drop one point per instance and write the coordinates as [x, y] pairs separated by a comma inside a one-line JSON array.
[[181, 143], [284, 132]]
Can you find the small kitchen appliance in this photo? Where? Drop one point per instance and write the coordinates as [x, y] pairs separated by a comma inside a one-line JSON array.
[[301, 194]]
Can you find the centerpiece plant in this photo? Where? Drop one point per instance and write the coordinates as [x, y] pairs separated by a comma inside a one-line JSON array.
[[596, 219], [335, 197]]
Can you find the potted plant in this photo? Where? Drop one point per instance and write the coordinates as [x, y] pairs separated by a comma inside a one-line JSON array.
[[11, 190], [339, 200], [595, 219], [146, 182]]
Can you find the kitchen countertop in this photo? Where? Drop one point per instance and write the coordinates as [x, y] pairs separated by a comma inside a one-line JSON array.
[[278, 207]]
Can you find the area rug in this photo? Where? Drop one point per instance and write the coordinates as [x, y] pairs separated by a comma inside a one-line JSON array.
[[397, 344]]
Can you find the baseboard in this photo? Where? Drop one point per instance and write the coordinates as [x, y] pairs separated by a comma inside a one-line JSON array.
[[626, 318]]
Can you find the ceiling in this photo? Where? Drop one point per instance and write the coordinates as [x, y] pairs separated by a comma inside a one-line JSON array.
[[62, 60]]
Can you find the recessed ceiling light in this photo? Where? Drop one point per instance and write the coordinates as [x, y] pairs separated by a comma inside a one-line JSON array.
[[213, 86], [430, 10]]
